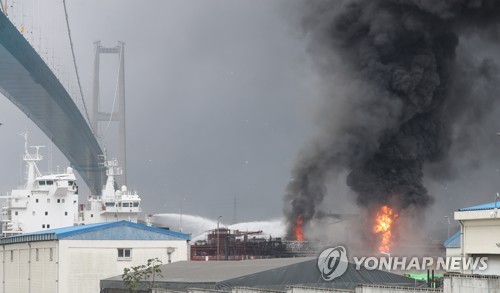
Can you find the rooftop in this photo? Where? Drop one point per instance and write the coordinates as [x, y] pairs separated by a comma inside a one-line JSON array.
[[487, 206], [121, 230], [274, 274], [454, 241]]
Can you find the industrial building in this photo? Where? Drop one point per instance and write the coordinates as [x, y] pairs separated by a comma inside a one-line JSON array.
[[226, 244], [479, 236], [268, 274], [75, 259]]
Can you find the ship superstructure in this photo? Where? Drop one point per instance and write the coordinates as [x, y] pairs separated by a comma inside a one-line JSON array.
[[50, 201], [44, 201], [115, 204]]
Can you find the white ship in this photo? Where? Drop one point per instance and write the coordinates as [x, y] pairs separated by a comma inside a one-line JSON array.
[[50, 201], [43, 202], [113, 204]]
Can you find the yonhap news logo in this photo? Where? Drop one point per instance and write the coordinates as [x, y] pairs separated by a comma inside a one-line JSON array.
[[332, 263]]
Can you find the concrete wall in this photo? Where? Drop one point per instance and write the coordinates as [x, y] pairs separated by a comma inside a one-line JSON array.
[[22, 271], [83, 263], [253, 290], [392, 289], [303, 289], [197, 290], [75, 265], [482, 236], [163, 290], [454, 283], [493, 266], [453, 252]]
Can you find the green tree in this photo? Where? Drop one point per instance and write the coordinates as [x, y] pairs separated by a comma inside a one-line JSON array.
[[134, 275]]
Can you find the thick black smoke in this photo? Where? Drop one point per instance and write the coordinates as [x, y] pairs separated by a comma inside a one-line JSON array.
[[398, 95]]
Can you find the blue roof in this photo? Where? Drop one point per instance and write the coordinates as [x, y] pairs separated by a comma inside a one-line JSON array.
[[122, 230], [454, 241], [487, 206]]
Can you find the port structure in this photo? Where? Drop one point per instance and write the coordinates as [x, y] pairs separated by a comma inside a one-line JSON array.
[[241, 245]]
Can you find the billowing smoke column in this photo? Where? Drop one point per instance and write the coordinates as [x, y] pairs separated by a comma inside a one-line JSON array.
[[397, 62]]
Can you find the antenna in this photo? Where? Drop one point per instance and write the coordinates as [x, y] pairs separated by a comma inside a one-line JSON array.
[[25, 136], [37, 147], [235, 206]]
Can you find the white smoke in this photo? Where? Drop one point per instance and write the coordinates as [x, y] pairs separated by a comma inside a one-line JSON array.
[[198, 226]]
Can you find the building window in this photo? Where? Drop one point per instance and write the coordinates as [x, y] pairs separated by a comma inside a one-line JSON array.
[[91, 215], [37, 253], [46, 213], [16, 213], [58, 200], [74, 201], [48, 225], [65, 213], [11, 255], [125, 253], [62, 200], [33, 213], [43, 226], [51, 254], [48, 200], [36, 200]]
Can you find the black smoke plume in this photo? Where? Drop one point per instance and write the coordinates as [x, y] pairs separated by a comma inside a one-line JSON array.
[[394, 74]]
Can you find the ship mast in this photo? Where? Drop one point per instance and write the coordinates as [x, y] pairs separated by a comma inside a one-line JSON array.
[[31, 160]]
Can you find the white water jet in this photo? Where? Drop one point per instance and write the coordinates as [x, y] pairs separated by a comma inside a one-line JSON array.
[[198, 226]]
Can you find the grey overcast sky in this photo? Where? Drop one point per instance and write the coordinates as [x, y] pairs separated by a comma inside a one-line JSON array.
[[215, 100], [220, 98]]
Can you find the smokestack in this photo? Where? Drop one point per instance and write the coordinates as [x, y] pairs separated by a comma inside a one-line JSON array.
[[391, 65]]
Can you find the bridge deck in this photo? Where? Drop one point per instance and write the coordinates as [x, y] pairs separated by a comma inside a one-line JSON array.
[[29, 83]]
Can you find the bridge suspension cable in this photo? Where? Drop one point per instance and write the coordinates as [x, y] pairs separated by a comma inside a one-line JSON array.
[[74, 62]]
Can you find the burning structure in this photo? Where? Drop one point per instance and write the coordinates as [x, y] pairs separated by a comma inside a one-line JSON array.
[[395, 94], [226, 244]]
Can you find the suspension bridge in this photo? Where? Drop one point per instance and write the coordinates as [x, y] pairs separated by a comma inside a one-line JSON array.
[[29, 82]]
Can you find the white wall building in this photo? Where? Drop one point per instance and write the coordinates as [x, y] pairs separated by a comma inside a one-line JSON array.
[[479, 236], [75, 259]]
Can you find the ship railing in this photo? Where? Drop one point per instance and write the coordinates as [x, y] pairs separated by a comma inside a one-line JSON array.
[[19, 204], [129, 197], [32, 157], [122, 209], [94, 197]]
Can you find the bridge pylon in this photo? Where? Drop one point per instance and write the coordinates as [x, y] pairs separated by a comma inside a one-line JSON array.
[[117, 114]]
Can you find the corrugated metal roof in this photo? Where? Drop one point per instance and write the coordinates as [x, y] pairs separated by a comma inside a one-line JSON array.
[[454, 241], [274, 274], [487, 206], [70, 232], [216, 271]]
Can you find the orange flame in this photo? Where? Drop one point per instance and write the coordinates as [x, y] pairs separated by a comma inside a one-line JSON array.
[[383, 224], [299, 229]]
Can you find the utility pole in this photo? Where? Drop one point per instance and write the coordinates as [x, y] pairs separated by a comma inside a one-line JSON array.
[[449, 223], [235, 206], [218, 236]]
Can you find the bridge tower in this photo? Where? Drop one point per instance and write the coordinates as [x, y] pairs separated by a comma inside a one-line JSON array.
[[117, 114]]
